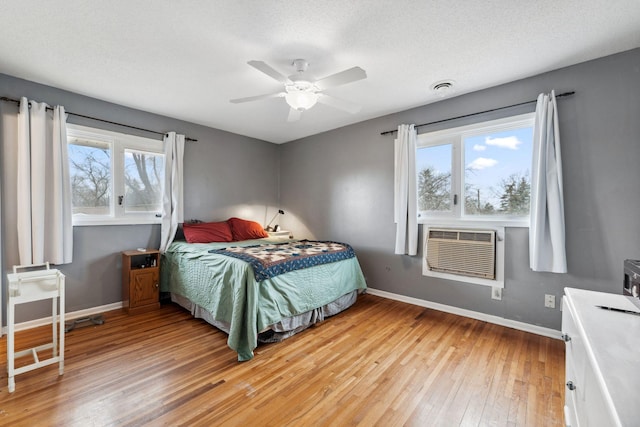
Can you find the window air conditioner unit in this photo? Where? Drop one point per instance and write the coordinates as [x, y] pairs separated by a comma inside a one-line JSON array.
[[462, 252]]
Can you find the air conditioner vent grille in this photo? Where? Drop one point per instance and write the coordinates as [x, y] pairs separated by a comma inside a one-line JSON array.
[[475, 236], [443, 234], [462, 252]]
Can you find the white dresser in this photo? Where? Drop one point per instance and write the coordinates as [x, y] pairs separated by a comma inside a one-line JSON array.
[[602, 359]]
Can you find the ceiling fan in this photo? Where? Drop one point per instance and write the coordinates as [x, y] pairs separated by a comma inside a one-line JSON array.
[[302, 93]]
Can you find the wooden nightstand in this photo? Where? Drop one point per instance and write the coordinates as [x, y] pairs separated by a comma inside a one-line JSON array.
[[140, 280]]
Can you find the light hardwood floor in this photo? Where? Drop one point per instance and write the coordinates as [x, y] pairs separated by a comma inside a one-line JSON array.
[[381, 362]]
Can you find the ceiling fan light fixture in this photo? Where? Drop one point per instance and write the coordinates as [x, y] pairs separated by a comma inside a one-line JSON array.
[[300, 93], [301, 100]]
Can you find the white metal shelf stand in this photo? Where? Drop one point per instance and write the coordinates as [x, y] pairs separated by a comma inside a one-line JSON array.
[[29, 286]]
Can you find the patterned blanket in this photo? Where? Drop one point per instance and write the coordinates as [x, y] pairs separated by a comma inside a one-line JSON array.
[[271, 259]]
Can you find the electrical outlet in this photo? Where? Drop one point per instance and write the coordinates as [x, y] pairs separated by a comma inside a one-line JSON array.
[[496, 293], [550, 301]]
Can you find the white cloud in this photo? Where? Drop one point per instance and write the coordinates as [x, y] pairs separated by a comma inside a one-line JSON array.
[[482, 163], [479, 147], [510, 142]]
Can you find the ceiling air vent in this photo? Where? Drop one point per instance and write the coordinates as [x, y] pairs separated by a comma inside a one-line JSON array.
[[442, 88]]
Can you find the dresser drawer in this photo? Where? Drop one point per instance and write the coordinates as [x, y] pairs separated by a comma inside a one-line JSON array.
[[575, 351], [570, 397], [574, 368]]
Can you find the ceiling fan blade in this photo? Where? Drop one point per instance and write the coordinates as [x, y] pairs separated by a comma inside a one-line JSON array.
[[257, 97], [343, 77], [269, 71], [294, 115], [340, 104]]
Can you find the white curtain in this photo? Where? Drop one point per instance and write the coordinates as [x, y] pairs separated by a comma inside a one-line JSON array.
[[172, 202], [45, 232], [405, 194], [546, 231]]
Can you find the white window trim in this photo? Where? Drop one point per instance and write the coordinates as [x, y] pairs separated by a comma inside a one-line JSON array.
[[454, 136], [119, 143]]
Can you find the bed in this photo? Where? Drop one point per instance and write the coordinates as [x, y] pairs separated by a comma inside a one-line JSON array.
[[228, 290]]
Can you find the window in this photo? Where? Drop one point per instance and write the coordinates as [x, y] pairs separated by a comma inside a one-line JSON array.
[[476, 173], [115, 178]]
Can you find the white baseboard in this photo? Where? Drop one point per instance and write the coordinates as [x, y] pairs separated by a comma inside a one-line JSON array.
[[539, 330], [68, 316]]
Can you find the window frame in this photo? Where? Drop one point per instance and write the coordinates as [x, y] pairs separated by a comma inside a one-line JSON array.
[[455, 137], [119, 142]]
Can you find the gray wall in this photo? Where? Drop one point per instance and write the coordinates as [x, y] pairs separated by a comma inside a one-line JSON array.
[[339, 185], [225, 175]]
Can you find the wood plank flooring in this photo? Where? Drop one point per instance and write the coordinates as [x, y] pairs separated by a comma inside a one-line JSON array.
[[381, 362]]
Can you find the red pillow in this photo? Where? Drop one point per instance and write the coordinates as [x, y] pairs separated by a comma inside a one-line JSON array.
[[206, 232], [246, 230]]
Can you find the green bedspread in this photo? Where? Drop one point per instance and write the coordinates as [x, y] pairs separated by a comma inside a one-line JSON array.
[[226, 287]]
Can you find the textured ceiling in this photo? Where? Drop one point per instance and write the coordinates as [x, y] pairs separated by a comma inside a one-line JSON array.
[[187, 59]]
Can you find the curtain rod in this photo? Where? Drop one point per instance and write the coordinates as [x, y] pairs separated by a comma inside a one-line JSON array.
[[475, 114], [16, 101]]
